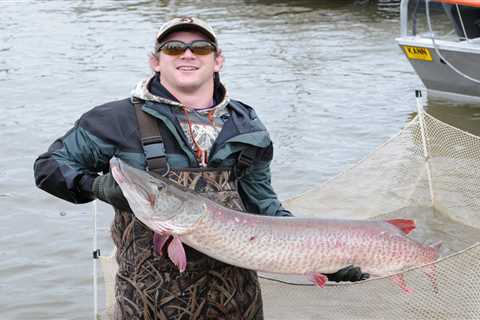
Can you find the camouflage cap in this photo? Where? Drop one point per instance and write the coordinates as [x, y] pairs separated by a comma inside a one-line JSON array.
[[185, 23]]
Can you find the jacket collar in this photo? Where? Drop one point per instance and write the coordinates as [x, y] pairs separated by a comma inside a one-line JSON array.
[[243, 126], [150, 89]]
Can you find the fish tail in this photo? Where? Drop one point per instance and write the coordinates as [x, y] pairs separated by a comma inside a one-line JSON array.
[[431, 272], [399, 280], [436, 246]]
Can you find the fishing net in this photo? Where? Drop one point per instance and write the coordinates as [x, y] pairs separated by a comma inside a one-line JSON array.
[[430, 171]]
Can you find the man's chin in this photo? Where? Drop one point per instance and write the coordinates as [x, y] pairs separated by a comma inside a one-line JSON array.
[[189, 87], [189, 84]]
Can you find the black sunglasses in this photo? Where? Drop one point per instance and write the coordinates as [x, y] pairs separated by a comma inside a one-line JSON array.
[[177, 47]]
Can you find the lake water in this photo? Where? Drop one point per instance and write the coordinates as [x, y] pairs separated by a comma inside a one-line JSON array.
[[326, 77]]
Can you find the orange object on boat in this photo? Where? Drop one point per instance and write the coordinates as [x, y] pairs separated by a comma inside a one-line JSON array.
[[469, 3]]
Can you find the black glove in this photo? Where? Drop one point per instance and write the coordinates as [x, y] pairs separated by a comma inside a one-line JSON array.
[[349, 273], [105, 188]]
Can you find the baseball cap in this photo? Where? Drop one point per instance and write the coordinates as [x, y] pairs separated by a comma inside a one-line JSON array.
[[185, 23]]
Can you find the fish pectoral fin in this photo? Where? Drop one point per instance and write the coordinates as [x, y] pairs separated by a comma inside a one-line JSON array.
[[159, 241], [319, 279], [399, 280], [176, 253]]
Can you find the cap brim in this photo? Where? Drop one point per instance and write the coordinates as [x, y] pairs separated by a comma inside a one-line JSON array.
[[186, 27]]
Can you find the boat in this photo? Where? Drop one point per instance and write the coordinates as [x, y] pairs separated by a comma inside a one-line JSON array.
[[448, 65]]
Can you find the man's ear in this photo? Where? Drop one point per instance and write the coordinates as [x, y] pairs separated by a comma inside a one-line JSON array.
[[154, 62], [219, 60]]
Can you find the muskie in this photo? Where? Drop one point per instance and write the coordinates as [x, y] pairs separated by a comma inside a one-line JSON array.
[[292, 245]]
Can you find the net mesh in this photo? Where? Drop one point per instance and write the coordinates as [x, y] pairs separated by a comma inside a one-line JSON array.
[[430, 172]]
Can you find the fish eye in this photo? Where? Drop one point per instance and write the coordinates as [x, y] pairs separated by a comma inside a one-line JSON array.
[[161, 186]]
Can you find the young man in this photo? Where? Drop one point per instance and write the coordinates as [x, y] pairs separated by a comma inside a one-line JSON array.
[[180, 123]]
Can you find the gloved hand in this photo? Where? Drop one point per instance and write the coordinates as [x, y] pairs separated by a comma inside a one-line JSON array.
[[105, 188], [349, 273]]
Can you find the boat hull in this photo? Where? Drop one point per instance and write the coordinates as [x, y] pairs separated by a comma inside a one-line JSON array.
[[437, 76]]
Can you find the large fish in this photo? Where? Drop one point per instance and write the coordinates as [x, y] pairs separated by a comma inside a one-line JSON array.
[[293, 245]]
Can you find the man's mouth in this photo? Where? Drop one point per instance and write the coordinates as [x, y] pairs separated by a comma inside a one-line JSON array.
[[187, 68]]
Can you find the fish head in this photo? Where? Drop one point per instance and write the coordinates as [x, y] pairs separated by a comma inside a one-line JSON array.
[[156, 201], [176, 207]]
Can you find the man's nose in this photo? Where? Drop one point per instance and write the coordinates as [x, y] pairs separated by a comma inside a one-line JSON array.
[[188, 54]]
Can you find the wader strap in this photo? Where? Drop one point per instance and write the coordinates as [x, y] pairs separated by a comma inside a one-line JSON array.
[[246, 157], [244, 161], [152, 141]]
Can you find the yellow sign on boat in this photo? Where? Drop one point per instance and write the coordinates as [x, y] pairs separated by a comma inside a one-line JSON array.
[[418, 53]]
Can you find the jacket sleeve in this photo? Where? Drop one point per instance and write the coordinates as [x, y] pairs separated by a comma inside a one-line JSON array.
[[256, 190], [70, 165]]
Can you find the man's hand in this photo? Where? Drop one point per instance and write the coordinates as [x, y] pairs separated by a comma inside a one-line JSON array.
[[349, 273], [106, 189]]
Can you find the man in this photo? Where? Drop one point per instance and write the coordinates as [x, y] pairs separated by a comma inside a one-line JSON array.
[[179, 123]]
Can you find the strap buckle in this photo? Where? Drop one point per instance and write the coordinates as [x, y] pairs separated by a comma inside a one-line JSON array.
[[153, 147], [246, 158], [151, 140]]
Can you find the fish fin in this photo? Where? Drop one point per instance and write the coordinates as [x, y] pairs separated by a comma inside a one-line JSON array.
[[399, 280], [159, 241], [176, 253], [405, 225], [319, 279], [436, 246], [431, 272]]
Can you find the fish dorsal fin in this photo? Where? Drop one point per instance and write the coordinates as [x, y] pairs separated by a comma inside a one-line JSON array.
[[405, 225]]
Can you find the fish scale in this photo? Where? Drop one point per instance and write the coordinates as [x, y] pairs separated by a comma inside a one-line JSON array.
[[366, 244]]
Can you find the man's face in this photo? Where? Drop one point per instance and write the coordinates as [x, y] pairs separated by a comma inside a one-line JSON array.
[[187, 72]]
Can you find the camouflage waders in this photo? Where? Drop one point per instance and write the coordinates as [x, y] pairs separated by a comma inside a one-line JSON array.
[[149, 286]]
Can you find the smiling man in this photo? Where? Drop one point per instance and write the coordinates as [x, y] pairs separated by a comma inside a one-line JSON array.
[[179, 123], [185, 74]]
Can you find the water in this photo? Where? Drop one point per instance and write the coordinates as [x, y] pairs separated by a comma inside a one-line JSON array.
[[326, 77]]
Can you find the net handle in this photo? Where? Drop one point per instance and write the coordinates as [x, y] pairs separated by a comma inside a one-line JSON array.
[[421, 119], [95, 258]]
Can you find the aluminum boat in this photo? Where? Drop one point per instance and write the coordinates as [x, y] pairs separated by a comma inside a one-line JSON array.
[[448, 64]]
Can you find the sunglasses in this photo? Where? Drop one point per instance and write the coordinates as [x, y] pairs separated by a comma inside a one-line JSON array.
[[198, 47]]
